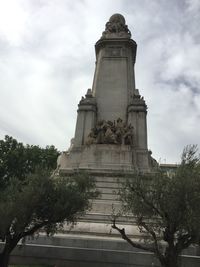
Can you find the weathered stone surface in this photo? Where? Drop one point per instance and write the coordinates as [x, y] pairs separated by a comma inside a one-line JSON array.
[[105, 157], [114, 80]]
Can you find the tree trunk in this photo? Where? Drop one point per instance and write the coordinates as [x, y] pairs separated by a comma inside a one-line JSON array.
[[4, 258], [5, 254], [173, 262], [170, 258]]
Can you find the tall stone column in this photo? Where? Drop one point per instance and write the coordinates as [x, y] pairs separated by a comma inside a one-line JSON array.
[[114, 78]]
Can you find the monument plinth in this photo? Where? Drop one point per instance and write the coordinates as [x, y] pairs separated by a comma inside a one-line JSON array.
[[111, 131]]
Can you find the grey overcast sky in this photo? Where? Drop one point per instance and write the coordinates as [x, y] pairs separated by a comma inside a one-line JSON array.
[[47, 62]]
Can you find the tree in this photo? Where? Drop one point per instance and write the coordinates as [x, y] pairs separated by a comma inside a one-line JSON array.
[[41, 202], [166, 208], [17, 159], [32, 199]]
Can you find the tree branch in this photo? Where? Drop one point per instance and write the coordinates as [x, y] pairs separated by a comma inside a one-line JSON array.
[[34, 229], [153, 234], [150, 204], [185, 241], [125, 237]]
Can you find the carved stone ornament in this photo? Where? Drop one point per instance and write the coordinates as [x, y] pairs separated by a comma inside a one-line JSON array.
[[108, 132], [116, 28], [88, 99]]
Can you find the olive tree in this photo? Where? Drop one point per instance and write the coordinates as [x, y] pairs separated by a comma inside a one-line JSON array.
[[166, 207], [32, 199], [39, 202]]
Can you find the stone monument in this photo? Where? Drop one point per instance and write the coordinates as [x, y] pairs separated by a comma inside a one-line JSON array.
[[110, 141], [111, 129]]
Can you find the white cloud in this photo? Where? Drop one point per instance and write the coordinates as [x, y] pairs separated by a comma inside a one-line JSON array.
[[193, 6], [13, 19]]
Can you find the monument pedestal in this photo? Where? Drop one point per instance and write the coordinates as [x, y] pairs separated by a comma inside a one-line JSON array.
[[106, 157]]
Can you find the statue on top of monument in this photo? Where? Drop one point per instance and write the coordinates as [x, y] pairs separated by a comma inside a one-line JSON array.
[[116, 28]]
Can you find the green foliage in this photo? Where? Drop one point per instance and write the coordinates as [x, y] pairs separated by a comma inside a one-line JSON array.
[[173, 199], [31, 198], [166, 207], [43, 201], [19, 160]]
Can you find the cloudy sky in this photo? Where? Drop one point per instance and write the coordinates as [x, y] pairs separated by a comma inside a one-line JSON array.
[[47, 62]]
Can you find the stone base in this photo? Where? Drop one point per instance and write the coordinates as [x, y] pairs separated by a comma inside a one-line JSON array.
[[105, 157], [109, 164], [88, 251]]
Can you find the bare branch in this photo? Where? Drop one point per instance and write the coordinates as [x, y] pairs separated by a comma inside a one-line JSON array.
[[132, 243], [150, 204]]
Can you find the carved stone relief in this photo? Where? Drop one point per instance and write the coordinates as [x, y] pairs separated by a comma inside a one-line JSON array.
[[108, 132]]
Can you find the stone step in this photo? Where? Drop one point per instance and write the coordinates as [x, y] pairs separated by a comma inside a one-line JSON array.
[[103, 202], [84, 241], [101, 184], [108, 196], [109, 179], [104, 229], [81, 256], [105, 206], [113, 191], [107, 217]]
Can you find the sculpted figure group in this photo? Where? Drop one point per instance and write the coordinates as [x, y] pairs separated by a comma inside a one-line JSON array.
[[108, 132], [117, 26]]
